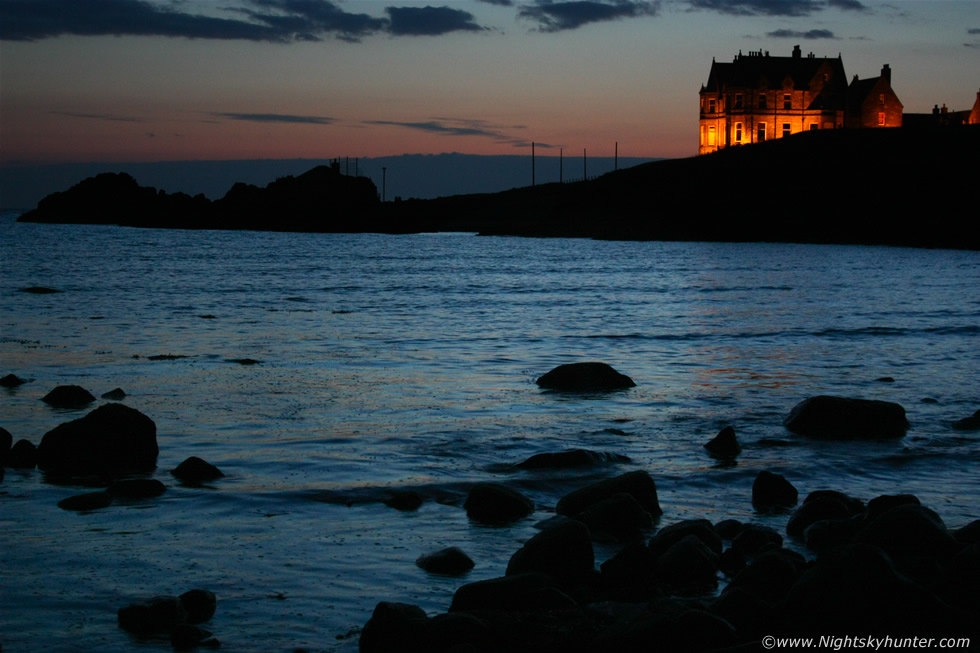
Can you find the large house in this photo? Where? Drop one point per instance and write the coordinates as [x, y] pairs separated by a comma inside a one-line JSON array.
[[757, 97]]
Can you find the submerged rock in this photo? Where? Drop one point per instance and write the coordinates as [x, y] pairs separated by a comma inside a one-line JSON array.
[[6, 441], [23, 455], [159, 614], [196, 470], [492, 503], [971, 423], [842, 418], [39, 290], [86, 502], [447, 562], [11, 381], [773, 491], [111, 439], [639, 484], [404, 500], [585, 377], [137, 488], [68, 396], [198, 605], [115, 395], [571, 458], [724, 445], [394, 627]]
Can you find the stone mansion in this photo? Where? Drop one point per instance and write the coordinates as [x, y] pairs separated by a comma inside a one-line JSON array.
[[757, 97]]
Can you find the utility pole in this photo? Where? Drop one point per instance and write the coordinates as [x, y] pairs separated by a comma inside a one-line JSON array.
[[616, 158], [561, 164], [384, 182], [585, 174], [532, 163]]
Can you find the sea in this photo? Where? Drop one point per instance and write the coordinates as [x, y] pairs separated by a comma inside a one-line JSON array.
[[322, 372]]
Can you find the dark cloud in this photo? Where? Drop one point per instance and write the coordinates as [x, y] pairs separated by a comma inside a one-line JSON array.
[[557, 16], [502, 3], [973, 30], [275, 117], [847, 5], [97, 116], [429, 21], [760, 7], [454, 127], [794, 34], [306, 20]]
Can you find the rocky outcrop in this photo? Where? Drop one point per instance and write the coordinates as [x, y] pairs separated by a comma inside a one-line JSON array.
[[68, 396], [773, 491], [842, 418], [585, 377], [110, 440], [724, 445]]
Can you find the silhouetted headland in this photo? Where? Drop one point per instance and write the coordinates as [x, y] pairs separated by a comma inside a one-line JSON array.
[[903, 186]]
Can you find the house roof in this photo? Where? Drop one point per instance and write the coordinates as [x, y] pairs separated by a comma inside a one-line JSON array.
[[758, 69]]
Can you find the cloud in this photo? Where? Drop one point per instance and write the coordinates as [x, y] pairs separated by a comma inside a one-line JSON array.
[[847, 5], [760, 7], [429, 21], [97, 116], [558, 16], [307, 20], [502, 3], [794, 34], [275, 117], [973, 30], [454, 127]]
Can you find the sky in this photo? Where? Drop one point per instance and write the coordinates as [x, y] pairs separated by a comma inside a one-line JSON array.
[[175, 80]]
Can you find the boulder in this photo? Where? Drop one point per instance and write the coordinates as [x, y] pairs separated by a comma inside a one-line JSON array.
[[617, 518], [563, 552], [185, 637], [909, 529], [724, 445], [198, 605], [68, 396], [630, 575], [159, 614], [771, 575], [111, 439], [842, 418], [771, 491], [531, 591], [571, 458], [395, 627], [492, 503], [404, 500], [585, 377], [446, 562], [116, 394], [822, 505], [639, 484], [755, 538], [23, 455], [6, 440], [971, 423], [86, 502], [11, 381], [702, 529], [194, 470], [688, 567]]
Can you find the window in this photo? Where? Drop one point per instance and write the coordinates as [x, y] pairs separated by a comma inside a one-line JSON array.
[[881, 99], [787, 129], [711, 135], [881, 118], [814, 127], [761, 133], [738, 132], [762, 101], [711, 105], [787, 101], [738, 100]]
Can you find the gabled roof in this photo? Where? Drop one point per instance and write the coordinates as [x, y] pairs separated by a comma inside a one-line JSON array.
[[758, 69]]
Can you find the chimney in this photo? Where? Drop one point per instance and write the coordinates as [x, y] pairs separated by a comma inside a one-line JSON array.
[[797, 53], [886, 72]]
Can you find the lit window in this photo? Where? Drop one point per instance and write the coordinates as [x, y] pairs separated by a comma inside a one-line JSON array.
[[814, 127], [787, 129], [738, 132], [761, 133], [787, 101], [762, 101], [881, 99], [881, 118], [702, 134], [711, 105], [711, 135], [738, 100]]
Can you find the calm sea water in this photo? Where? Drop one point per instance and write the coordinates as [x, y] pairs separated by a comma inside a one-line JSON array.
[[409, 362]]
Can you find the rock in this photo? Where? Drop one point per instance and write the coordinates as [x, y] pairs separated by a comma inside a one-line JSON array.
[[11, 381], [115, 395], [688, 566], [68, 396], [458, 632], [447, 562], [111, 439], [885, 379], [727, 529], [585, 377], [492, 503], [244, 361], [909, 529], [6, 440], [724, 445], [198, 605], [563, 552], [639, 484], [159, 614], [23, 455], [754, 538], [700, 528], [822, 505], [771, 575], [571, 458], [87, 501], [137, 488], [194, 470], [773, 491], [39, 290], [532, 591], [886, 502], [394, 627], [404, 500], [969, 534], [630, 575], [971, 423], [619, 518], [841, 418], [829, 534], [187, 636]]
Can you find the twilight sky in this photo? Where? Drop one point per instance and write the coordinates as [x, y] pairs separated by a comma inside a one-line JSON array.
[[160, 80]]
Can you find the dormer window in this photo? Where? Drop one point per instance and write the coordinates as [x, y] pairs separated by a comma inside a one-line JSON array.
[[787, 101], [711, 105], [738, 101], [762, 101]]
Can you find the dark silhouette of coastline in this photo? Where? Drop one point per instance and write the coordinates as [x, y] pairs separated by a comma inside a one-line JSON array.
[[909, 187]]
